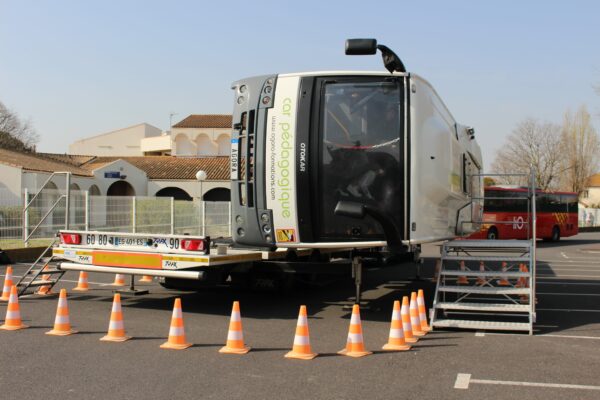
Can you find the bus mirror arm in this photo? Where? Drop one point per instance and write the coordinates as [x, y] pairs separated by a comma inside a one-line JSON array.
[[358, 210]]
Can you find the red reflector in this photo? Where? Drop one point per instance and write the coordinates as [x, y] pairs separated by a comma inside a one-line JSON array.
[[70, 238], [193, 244]]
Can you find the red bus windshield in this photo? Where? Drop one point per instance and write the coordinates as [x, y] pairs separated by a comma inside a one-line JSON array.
[[506, 214]]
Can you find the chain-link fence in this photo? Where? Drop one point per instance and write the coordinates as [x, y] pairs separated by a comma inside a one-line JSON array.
[[161, 215]]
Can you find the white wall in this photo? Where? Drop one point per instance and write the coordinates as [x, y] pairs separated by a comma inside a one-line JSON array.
[[120, 143], [191, 187], [134, 176], [200, 141], [10, 182]]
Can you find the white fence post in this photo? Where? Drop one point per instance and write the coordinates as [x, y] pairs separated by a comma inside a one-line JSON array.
[[134, 211], [203, 218], [25, 217], [172, 215], [86, 209]]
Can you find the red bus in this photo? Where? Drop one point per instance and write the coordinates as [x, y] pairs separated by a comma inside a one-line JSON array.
[[505, 214]]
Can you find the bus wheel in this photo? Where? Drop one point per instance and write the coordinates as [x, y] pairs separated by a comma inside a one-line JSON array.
[[492, 234], [555, 234]]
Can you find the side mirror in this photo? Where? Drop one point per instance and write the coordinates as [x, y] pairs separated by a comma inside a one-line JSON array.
[[361, 47]]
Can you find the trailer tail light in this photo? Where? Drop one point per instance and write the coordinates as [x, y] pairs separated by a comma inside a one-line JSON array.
[[70, 238], [194, 244]]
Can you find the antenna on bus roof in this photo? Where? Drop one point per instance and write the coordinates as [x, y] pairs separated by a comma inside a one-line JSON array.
[[361, 47]]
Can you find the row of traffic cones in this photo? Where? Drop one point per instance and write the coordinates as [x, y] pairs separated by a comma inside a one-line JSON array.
[[45, 290], [408, 323], [503, 281]]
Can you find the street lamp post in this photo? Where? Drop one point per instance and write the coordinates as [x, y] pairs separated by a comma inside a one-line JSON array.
[[201, 177]]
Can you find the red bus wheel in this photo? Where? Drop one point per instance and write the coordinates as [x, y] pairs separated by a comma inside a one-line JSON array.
[[555, 234], [492, 233]]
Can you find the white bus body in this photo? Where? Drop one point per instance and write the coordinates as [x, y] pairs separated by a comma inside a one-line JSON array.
[[286, 179]]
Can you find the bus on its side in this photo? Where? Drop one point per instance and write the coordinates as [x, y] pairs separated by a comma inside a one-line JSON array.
[[505, 214]]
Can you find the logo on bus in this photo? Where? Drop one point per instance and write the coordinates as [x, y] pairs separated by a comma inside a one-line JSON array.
[[285, 235], [518, 222]]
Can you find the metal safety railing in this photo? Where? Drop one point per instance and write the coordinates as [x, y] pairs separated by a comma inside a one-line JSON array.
[[27, 233]]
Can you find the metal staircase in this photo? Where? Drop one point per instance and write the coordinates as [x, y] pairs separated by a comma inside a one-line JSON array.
[[487, 285], [33, 278]]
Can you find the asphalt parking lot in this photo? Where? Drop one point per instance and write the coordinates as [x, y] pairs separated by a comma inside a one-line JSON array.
[[561, 360]]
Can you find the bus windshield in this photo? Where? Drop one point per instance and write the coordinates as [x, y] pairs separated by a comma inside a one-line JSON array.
[[360, 156]]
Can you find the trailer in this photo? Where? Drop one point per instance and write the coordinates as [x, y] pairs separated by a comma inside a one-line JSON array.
[[327, 169]]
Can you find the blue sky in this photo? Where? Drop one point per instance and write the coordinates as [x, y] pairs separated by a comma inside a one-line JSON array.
[[79, 68]]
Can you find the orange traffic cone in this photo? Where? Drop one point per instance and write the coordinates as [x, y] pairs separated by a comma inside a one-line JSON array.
[[415, 320], [301, 348], [176, 340], [12, 322], [354, 345], [82, 283], [116, 329], [62, 325], [46, 289], [7, 284], [481, 280], [396, 340], [436, 270], [503, 281], [422, 311], [145, 279], [119, 280], [521, 280], [462, 280], [235, 336], [406, 325]]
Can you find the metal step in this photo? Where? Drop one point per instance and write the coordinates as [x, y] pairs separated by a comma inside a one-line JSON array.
[[523, 259], [39, 283], [485, 325], [47, 272], [493, 244], [483, 289], [491, 307], [508, 274]]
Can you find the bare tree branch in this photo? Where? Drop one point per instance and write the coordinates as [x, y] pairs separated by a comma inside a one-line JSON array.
[[531, 144], [580, 148], [15, 133]]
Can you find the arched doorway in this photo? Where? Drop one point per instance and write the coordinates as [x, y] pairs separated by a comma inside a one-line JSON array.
[[204, 146], [217, 194], [120, 188], [224, 145], [174, 192], [183, 146], [94, 190]]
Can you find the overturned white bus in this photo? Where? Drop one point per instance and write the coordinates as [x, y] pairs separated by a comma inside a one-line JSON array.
[[344, 158]]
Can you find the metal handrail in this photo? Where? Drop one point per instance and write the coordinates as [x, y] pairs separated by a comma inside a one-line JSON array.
[[44, 217], [67, 197]]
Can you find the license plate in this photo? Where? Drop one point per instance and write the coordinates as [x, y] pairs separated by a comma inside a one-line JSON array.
[[99, 240]]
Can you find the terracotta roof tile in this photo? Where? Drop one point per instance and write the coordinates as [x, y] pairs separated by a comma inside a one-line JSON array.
[[155, 167], [168, 167], [594, 180], [205, 121], [40, 163]]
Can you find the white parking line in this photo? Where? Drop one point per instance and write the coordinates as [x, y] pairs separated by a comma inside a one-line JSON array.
[[571, 276], [567, 294], [568, 310], [568, 283], [464, 380]]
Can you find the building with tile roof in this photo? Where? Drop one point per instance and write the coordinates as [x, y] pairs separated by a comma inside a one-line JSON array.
[[198, 135], [132, 176]]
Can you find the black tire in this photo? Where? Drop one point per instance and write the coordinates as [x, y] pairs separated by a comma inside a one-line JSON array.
[[492, 233], [555, 234]]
